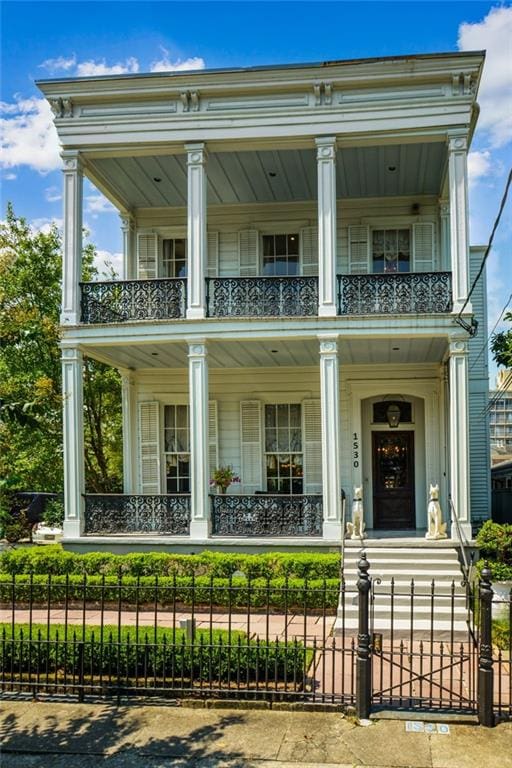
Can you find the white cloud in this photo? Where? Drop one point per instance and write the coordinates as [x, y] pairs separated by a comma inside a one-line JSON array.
[[9, 176], [494, 34], [106, 261], [92, 68], [97, 203], [53, 194], [44, 225], [61, 62], [479, 165], [28, 135], [166, 65]]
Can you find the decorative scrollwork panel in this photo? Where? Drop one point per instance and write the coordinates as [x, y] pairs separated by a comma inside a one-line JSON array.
[[127, 300], [406, 293], [262, 296], [114, 514], [262, 515]]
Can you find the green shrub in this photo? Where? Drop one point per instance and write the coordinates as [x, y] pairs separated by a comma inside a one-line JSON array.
[[237, 592], [161, 653], [53, 559], [501, 634], [495, 541]]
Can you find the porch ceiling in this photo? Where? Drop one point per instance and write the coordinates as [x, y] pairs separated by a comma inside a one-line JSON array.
[[270, 176], [277, 353]]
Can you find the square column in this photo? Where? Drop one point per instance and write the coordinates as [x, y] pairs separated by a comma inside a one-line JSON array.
[[72, 238], [326, 163], [459, 226], [73, 441], [199, 459], [196, 231], [330, 417], [459, 437], [129, 435], [129, 252]]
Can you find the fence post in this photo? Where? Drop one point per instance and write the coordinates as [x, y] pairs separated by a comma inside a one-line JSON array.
[[485, 671], [364, 661]]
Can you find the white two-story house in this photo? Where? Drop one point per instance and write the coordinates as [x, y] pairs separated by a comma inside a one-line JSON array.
[[294, 302]]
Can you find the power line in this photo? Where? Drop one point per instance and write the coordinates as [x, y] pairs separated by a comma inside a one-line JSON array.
[[486, 342], [486, 254]]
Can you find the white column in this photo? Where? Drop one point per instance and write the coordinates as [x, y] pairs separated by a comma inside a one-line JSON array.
[[128, 230], [326, 161], [459, 236], [73, 441], [72, 238], [330, 415], [199, 464], [129, 439], [196, 231], [459, 436], [444, 217]]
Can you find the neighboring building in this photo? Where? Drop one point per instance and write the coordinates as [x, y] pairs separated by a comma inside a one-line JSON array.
[[296, 255], [501, 479], [500, 417]]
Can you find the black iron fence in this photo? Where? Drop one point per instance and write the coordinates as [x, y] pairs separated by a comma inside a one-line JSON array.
[[118, 301], [382, 294], [369, 645], [266, 515], [117, 513], [262, 296]]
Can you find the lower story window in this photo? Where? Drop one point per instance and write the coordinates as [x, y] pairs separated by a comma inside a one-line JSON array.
[[177, 449], [391, 250], [283, 448], [280, 255]]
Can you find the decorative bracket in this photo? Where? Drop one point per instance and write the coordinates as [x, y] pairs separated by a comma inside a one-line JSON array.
[[323, 94], [61, 107], [190, 101]]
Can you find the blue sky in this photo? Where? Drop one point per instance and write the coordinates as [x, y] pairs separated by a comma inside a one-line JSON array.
[[55, 39]]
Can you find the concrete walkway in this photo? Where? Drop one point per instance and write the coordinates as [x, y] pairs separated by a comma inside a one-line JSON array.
[[52, 734]]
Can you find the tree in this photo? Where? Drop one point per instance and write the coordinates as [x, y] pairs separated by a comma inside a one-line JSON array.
[[30, 371], [501, 345]]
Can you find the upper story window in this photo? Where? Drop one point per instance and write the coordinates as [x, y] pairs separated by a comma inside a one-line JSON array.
[[176, 449], [281, 255], [391, 250], [174, 257]]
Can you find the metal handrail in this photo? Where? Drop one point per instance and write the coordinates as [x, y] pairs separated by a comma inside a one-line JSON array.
[[343, 526], [463, 542]]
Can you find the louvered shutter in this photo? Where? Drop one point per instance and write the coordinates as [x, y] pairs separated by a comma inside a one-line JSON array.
[[423, 247], [147, 255], [359, 250], [312, 432], [309, 250], [250, 437], [149, 447], [213, 442], [213, 254], [248, 242]]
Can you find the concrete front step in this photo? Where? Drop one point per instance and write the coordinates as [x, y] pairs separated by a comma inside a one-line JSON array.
[[422, 627]]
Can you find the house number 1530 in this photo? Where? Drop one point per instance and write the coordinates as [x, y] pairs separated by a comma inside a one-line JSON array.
[[355, 450]]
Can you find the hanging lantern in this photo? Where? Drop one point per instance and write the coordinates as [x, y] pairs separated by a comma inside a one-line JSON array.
[[393, 415]]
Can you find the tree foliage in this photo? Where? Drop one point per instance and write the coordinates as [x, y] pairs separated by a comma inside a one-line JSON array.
[[30, 371], [501, 345]]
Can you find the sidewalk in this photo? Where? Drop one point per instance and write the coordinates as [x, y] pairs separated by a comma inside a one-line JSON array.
[[52, 734]]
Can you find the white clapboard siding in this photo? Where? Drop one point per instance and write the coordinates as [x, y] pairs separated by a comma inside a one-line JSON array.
[[248, 252], [149, 447], [312, 431], [359, 249], [213, 254], [213, 439], [423, 247], [250, 445], [147, 255], [309, 250]]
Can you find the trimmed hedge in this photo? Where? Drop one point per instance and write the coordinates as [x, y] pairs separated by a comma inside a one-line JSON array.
[[495, 542], [218, 655], [54, 560], [281, 593]]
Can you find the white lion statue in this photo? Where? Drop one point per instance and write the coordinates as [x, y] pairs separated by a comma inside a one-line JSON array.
[[355, 529], [436, 527]]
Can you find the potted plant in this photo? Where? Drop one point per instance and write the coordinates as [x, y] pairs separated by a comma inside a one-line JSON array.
[[222, 478]]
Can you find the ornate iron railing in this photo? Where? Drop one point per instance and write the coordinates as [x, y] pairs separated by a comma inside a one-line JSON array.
[[262, 296], [266, 515], [123, 513], [421, 292], [125, 300]]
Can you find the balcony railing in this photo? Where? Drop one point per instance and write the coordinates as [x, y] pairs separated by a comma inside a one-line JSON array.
[[420, 292], [266, 515], [107, 514], [127, 300], [262, 296]]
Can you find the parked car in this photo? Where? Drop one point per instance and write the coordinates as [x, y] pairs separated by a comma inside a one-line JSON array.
[[44, 534]]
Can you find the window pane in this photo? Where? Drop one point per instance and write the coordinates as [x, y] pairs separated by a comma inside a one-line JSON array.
[[179, 249], [182, 440], [295, 415], [269, 267], [271, 466], [270, 440], [282, 416], [295, 440], [270, 416], [283, 440], [293, 245], [169, 416], [182, 416], [280, 241], [268, 245], [281, 267]]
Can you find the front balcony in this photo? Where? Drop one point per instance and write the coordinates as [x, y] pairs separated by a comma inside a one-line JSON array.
[[365, 294], [111, 514]]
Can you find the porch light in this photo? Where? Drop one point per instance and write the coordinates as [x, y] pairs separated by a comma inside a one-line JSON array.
[[393, 415]]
